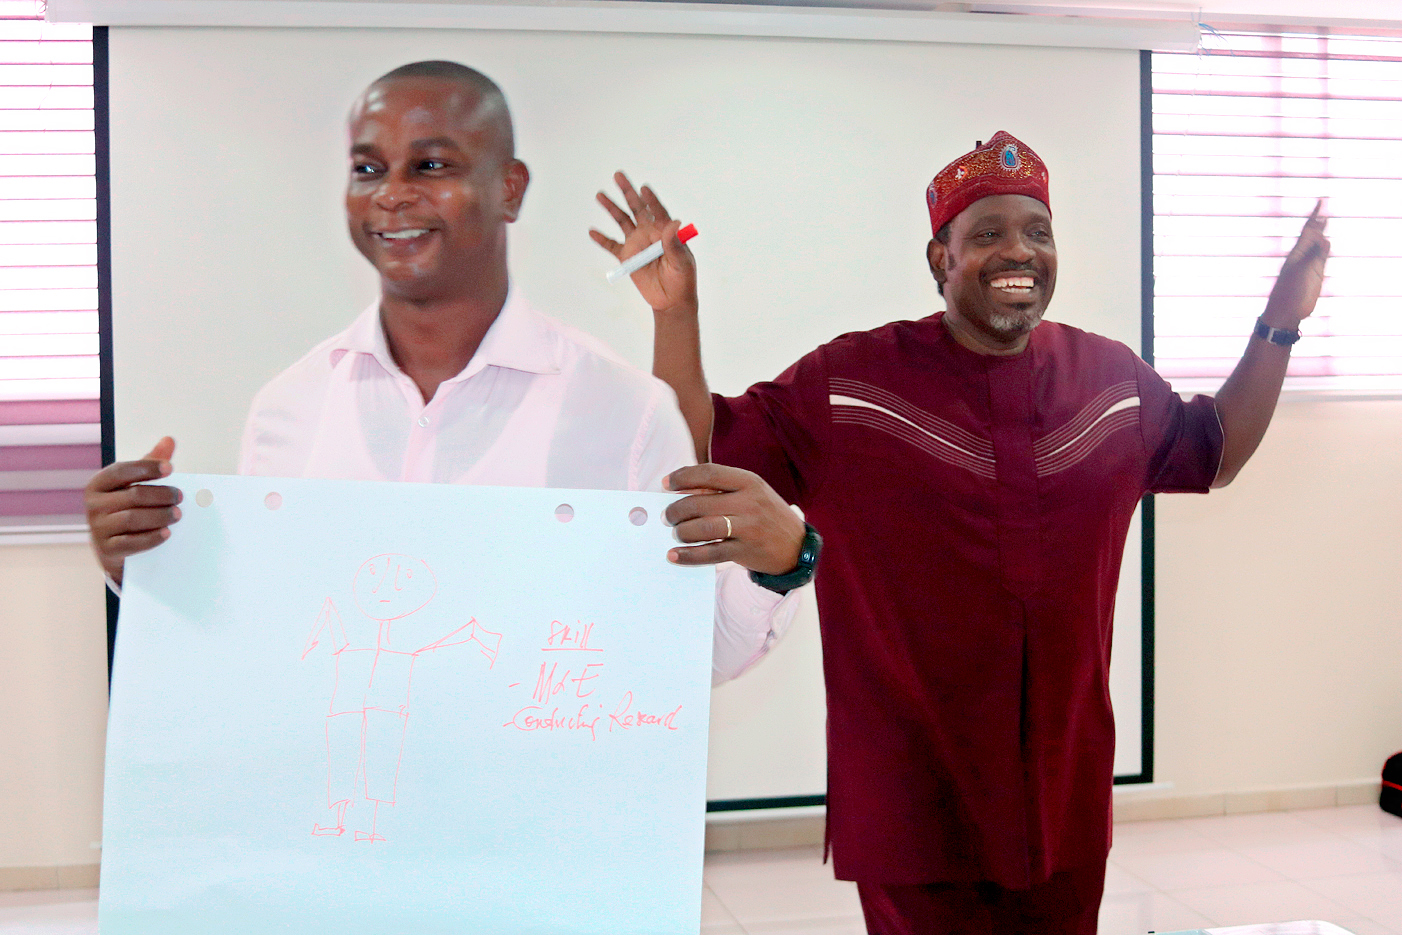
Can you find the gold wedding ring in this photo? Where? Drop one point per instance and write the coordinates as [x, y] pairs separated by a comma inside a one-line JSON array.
[[729, 530]]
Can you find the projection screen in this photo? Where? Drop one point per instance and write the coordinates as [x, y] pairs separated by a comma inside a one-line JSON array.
[[803, 162]]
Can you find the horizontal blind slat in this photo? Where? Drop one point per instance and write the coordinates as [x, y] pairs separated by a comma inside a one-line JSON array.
[[41, 503], [72, 479], [49, 411], [48, 323], [49, 368], [50, 457], [52, 388], [42, 435]]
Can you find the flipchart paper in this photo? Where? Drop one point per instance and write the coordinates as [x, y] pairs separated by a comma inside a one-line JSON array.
[[352, 707]]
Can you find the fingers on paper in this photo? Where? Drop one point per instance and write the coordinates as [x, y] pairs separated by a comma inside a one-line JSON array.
[[129, 544], [709, 477], [137, 509], [124, 474], [704, 506], [712, 553], [708, 529]]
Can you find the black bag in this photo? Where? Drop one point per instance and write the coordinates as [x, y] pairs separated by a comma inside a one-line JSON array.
[[1391, 797]]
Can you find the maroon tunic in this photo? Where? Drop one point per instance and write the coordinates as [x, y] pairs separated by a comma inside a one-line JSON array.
[[974, 511]]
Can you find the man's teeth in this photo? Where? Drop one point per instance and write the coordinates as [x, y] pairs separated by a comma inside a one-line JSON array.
[[1014, 283], [404, 234]]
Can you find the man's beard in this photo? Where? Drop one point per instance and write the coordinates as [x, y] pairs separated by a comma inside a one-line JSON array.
[[1013, 324]]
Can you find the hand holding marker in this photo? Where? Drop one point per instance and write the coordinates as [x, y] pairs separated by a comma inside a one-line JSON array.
[[645, 256]]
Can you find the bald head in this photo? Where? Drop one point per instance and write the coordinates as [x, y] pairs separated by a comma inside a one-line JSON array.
[[478, 99], [434, 182]]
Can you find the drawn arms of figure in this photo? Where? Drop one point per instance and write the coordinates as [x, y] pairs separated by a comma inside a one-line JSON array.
[[126, 515], [330, 626]]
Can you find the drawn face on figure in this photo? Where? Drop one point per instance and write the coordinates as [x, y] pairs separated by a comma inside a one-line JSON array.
[[391, 586], [998, 266], [432, 185]]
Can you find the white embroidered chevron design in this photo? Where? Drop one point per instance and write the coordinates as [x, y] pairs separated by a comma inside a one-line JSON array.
[[1088, 414], [1115, 408], [867, 393], [935, 437], [857, 403]]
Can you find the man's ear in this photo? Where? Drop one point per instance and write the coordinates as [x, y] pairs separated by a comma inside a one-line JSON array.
[[937, 254], [516, 180]]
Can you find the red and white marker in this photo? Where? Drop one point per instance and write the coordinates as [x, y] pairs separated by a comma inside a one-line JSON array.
[[645, 256]]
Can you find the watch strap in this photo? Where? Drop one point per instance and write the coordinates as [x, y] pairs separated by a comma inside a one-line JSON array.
[[1278, 336], [808, 551]]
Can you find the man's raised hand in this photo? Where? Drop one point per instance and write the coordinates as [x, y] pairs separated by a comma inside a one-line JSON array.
[[1301, 276], [753, 525], [669, 283], [127, 515]]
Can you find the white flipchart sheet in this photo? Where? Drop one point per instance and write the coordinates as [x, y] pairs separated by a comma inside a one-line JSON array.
[[348, 707]]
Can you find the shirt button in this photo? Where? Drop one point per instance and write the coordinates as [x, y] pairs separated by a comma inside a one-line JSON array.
[[423, 421]]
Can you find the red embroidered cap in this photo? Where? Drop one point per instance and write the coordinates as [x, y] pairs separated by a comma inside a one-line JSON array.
[[1003, 166]]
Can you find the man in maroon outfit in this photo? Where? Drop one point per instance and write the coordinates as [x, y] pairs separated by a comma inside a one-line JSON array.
[[974, 474]]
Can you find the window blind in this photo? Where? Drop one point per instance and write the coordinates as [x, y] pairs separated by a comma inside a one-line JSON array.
[[49, 372], [1247, 133]]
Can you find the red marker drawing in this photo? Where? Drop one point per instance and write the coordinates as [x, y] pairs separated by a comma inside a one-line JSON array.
[[645, 256]]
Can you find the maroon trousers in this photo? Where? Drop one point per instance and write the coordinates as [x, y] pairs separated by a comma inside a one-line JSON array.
[[1066, 904]]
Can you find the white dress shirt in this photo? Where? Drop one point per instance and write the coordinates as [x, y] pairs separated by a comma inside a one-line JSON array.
[[540, 404]]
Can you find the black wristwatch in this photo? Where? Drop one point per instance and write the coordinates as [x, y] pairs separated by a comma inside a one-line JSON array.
[[802, 573], [1278, 336]]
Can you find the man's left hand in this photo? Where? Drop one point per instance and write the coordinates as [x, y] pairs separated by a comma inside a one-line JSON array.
[[668, 284], [1301, 276], [762, 533]]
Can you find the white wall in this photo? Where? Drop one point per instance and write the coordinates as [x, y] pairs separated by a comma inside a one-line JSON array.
[[53, 706], [1279, 612]]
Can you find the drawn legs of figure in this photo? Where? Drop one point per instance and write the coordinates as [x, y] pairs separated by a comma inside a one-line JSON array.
[[384, 748], [344, 747]]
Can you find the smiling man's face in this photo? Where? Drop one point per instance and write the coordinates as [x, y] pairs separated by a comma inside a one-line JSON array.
[[998, 267], [432, 184]]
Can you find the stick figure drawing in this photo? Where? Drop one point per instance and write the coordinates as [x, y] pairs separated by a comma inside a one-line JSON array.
[[375, 655]]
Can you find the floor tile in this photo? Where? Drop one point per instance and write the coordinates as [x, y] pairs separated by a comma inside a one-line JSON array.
[[1137, 913], [1119, 880], [714, 913], [1376, 896], [1157, 837], [1257, 829], [761, 887], [1320, 857], [1281, 901], [49, 912], [1191, 869]]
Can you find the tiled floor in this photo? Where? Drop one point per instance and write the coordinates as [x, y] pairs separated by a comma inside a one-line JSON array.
[[1342, 865]]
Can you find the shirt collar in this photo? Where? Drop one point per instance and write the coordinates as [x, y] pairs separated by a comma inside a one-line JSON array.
[[520, 339]]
